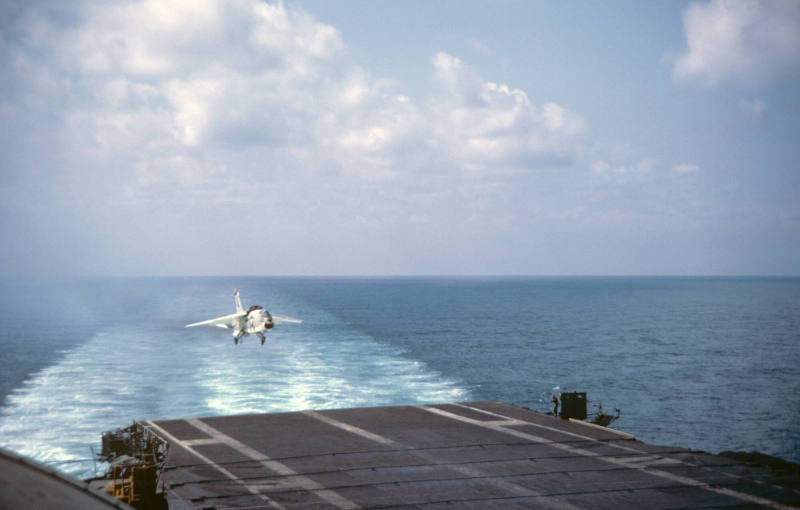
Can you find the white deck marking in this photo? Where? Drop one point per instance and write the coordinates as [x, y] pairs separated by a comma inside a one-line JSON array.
[[623, 435], [301, 481], [473, 472], [200, 442], [587, 453], [508, 421], [513, 421], [656, 459], [250, 488], [353, 429]]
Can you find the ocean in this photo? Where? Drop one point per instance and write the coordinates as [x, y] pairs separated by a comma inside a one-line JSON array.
[[709, 363]]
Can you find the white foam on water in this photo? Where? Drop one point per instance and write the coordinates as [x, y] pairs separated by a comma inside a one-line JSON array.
[[123, 375], [297, 374]]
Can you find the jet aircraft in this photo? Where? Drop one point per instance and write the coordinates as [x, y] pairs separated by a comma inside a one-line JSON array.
[[253, 321]]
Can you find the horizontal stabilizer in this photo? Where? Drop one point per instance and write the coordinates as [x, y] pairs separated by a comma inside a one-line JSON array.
[[277, 319]]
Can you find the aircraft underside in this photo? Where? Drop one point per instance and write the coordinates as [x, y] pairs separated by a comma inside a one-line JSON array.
[[238, 334]]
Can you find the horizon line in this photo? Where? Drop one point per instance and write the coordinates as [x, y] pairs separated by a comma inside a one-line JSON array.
[[411, 275]]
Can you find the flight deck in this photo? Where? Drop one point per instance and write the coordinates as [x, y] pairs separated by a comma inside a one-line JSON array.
[[471, 455]]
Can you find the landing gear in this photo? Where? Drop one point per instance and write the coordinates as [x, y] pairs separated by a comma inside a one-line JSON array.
[[262, 339], [236, 340]]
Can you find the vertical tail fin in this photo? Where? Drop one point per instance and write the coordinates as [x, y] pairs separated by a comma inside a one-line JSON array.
[[237, 301]]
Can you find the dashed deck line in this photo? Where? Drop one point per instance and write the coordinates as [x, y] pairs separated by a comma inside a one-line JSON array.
[[660, 459], [626, 470], [275, 466], [499, 427], [250, 487], [217, 437], [511, 488]]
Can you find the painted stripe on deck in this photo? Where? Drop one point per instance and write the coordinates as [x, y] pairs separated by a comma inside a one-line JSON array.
[[250, 488], [510, 487], [660, 460], [353, 429], [623, 435], [280, 468], [587, 453], [507, 420]]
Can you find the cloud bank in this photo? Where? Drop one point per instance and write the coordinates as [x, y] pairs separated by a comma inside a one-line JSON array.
[[243, 74], [144, 127], [744, 42], [242, 137]]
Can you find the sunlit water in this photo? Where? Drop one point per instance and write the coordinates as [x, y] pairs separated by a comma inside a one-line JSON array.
[[704, 363]]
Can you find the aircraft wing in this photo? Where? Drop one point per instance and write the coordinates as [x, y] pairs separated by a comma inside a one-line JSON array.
[[277, 319], [219, 321]]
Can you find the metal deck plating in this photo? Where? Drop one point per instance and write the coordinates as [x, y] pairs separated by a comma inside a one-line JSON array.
[[473, 455]]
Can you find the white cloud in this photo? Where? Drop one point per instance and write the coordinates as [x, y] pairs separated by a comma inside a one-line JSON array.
[[747, 42], [685, 168], [251, 108], [754, 108], [245, 74], [488, 126]]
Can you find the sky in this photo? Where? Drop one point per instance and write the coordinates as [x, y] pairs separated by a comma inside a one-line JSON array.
[[309, 137]]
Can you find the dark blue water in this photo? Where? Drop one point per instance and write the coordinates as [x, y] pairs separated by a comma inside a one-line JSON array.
[[706, 363]]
